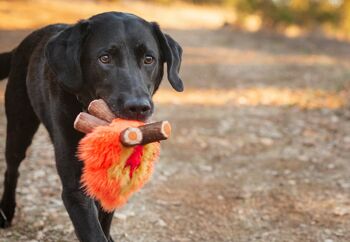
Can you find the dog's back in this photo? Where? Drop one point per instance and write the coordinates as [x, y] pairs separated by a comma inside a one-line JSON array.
[[25, 49]]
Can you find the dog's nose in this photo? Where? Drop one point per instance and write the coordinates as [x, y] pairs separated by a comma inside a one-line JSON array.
[[137, 108]]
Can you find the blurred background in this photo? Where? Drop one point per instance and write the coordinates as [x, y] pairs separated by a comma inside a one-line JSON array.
[[261, 142]]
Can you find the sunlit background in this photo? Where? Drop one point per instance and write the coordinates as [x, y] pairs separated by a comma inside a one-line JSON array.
[[293, 17], [261, 143]]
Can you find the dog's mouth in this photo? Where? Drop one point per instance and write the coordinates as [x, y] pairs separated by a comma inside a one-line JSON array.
[[115, 109], [141, 118]]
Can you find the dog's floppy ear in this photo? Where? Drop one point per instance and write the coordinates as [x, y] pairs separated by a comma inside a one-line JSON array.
[[171, 53], [63, 56]]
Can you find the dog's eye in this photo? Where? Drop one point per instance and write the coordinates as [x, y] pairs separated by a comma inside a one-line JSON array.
[[148, 60], [105, 59]]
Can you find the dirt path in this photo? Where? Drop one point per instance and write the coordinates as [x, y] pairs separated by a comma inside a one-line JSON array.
[[261, 164]]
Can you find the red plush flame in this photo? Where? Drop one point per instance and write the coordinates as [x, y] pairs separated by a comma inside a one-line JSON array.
[[134, 159]]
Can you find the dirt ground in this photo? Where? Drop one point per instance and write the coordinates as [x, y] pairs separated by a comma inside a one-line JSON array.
[[252, 158]]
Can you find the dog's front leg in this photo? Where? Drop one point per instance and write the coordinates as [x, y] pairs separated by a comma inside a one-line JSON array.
[[105, 220], [83, 213], [81, 209]]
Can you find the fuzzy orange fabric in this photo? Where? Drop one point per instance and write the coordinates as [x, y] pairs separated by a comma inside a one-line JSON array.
[[113, 172]]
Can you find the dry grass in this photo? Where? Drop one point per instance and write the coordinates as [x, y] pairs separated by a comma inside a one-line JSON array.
[[279, 97], [216, 55], [36, 13], [302, 98]]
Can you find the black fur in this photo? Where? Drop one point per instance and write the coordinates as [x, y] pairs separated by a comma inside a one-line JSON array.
[[53, 75], [5, 64]]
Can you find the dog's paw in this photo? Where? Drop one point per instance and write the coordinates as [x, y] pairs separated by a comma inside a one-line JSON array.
[[4, 222]]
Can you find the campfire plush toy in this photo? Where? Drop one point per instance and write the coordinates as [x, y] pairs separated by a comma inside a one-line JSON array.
[[118, 154]]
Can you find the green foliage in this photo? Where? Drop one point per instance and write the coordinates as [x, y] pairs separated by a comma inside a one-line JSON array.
[[306, 13], [299, 12], [345, 17]]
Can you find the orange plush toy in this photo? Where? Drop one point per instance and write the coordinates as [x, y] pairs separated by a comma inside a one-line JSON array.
[[118, 154]]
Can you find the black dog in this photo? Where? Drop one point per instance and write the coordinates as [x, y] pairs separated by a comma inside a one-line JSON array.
[[54, 74]]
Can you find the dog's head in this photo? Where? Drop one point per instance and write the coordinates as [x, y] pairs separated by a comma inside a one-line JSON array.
[[117, 57]]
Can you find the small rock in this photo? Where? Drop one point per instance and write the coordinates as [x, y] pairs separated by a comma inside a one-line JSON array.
[[344, 184], [162, 178], [161, 223], [334, 119], [205, 168], [347, 139], [272, 172], [38, 174], [167, 173], [40, 235], [304, 158], [247, 195], [59, 227], [341, 211], [202, 143], [38, 223], [120, 216], [339, 233], [286, 172], [180, 239], [266, 141]]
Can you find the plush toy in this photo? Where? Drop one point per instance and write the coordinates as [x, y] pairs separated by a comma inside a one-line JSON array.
[[118, 154]]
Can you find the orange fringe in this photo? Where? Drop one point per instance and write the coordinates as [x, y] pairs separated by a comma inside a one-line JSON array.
[[106, 175]]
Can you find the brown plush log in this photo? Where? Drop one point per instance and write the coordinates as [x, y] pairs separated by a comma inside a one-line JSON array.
[[146, 134], [85, 123], [101, 115], [100, 109]]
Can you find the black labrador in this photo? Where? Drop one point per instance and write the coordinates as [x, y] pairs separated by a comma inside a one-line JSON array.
[[54, 74]]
